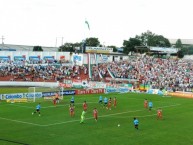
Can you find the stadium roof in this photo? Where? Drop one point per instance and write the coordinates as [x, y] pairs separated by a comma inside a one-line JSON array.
[[13, 47], [184, 41]]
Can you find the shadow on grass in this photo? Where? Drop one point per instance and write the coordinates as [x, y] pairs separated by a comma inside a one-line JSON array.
[[11, 141]]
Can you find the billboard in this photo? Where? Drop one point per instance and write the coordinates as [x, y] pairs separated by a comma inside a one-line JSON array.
[[19, 58], [49, 58], [34, 58], [99, 50], [4, 58], [77, 59]]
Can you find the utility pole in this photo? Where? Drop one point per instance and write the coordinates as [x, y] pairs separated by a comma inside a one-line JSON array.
[[2, 38]]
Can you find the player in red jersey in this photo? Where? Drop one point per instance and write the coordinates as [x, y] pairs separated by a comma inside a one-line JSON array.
[[95, 114], [115, 102], [57, 98], [109, 103], [54, 101], [159, 113], [85, 106], [71, 109], [145, 103]]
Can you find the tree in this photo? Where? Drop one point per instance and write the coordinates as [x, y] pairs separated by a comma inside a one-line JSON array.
[[114, 48], [179, 44], [37, 48], [93, 42], [129, 45], [180, 54], [69, 47], [187, 50], [150, 39], [146, 38]]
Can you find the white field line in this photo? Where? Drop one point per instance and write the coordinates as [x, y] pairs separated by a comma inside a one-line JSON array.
[[108, 115], [12, 120], [79, 119]]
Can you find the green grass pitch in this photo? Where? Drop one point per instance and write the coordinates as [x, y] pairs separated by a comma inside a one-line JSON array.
[[56, 127]]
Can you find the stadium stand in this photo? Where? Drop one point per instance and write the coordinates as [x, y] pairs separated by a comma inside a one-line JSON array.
[[170, 73]]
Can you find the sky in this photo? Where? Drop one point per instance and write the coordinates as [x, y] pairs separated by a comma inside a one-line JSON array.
[[55, 22]]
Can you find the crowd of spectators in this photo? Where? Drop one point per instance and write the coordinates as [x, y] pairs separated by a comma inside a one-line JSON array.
[[40, 71], [175, 74]]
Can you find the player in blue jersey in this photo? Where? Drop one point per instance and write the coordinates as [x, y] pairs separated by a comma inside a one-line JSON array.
[[38, 107], [150, 105], [72, 101], [136, 123], [100, 100], [105, 102]]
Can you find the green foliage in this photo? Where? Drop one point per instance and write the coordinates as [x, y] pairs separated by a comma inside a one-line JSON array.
[[187, 50], [114, 48], [37, 48], [180, 54], [93, 42], [150, 39], [178, 44], [129, 45], [69, 47], [55, 126]]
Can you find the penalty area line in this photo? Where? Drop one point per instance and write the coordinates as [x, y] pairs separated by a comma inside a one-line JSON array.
[[105, 116], [18, 121]]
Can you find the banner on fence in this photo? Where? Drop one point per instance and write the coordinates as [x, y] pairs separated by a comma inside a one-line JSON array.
[[181, 94], [68, 92], [89, 91], [77, 83], [97, 85], [123, 90], [155, 91], [66, 84], [13, 96], [48, 94], [111, 90], [31, 95], [16, 100], [143, 87]]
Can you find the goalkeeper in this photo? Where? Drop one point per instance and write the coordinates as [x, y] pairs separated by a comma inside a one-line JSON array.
[[82, 117]]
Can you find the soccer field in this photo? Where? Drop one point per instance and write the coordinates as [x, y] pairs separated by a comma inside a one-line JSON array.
[[56, 127]]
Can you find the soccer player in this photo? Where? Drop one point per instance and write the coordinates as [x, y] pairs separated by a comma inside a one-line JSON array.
[[145, 103], [54, 101], [109, 103], [105, 102], [71, 109], [150, 105], [100, 100], [115, 102], [57, 98], [38, 107], [82, 117], [95, 114], [84, 105], [159, 113], [72, 100], [136, 123]]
